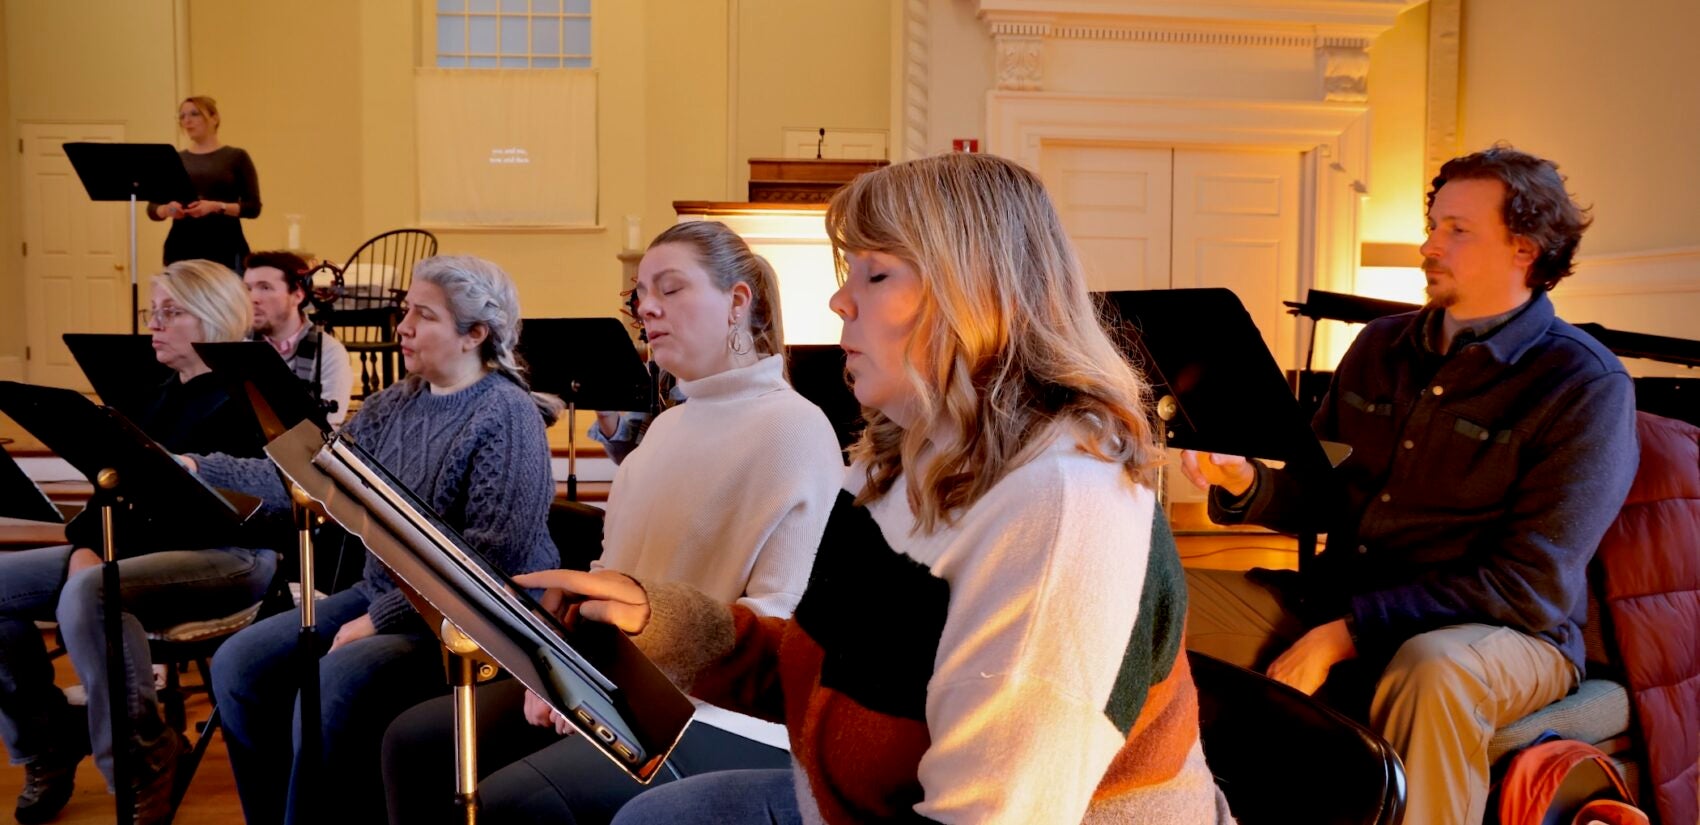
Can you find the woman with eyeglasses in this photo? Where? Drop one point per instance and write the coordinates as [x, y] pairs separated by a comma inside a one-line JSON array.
[[163, 584], [198, 302], [227, 189]]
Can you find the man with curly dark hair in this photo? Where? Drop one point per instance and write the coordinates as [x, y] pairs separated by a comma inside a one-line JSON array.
[[1493, 444]]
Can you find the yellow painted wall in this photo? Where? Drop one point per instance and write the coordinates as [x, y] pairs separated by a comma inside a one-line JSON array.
[[337, 132], [320, 92], [809, 64], [94, 60], [286, 79], [1607, 90], [1398, 83], [661, 136]]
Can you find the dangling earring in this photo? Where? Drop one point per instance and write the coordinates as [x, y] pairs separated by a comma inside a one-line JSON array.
[[739, 340]]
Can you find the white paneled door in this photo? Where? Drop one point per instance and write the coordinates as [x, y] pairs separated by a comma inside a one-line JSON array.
[[1158, 218], [76, 252], [1115, 204], [1161, 218], [1237, 225]]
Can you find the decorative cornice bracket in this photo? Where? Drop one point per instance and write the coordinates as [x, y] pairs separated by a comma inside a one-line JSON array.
[[1339, 32]]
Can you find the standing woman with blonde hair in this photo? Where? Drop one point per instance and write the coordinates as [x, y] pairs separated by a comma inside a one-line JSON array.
[[465, 433], [992, 630], [163, 583], [227, 190]]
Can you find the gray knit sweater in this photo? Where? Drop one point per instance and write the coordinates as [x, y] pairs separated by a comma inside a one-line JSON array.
[[478, 457]]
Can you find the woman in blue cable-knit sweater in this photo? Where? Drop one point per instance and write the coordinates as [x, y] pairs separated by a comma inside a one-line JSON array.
[[463, 431]]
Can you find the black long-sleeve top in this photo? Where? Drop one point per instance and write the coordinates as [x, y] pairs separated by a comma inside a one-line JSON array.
[[226, 175]]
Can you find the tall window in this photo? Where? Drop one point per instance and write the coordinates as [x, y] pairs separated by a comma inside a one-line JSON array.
[[513, 34]]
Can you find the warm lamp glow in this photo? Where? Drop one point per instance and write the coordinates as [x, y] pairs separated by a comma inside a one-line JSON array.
[[1393, 272], [1389, 271], [794, 241], [1392, 283]]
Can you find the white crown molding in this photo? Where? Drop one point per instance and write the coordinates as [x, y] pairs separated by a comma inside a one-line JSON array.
[[1019, 121], [1312, 12], [1339, 31], [1185, 33]]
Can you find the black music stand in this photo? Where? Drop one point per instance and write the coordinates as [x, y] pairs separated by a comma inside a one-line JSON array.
[[590, 673], [1320, 305], [20, 498], [131, 172], [253, 370], [817, 373], [589, 363], [122, 369], [127, 469], [1217, 387]]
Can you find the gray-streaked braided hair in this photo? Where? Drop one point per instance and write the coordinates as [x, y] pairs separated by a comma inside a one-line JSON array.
[[480, 293]]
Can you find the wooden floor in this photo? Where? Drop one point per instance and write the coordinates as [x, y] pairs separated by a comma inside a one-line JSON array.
[[212, 795]]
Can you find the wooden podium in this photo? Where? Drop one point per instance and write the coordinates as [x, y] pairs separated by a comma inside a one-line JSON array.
[[803, 180]]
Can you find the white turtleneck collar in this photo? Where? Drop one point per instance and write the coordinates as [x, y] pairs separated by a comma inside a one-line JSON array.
[[763, 376]]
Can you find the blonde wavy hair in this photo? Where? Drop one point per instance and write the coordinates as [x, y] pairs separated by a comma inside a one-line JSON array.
[[213, 294], [1007, 342]]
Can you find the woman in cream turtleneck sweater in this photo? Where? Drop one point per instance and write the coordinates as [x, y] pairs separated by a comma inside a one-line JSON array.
[[729, 493]]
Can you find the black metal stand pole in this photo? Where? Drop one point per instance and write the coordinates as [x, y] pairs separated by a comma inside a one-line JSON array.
[[106, 495], [572, 448], [135, 310]]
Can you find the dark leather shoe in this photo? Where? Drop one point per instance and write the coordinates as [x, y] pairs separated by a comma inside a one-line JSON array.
[[156, 772], [47, 787]]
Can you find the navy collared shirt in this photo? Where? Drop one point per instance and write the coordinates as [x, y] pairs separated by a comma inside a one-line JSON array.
[[1479, 485]]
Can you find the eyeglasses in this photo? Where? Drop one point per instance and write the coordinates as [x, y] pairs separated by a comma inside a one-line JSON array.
[[163, 316]]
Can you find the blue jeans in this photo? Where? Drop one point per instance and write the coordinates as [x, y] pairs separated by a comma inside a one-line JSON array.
[[158, 590], [362, 687], [532, 774], [711, 798]]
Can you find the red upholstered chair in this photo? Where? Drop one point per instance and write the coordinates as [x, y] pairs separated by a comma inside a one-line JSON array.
[[1640, 699]]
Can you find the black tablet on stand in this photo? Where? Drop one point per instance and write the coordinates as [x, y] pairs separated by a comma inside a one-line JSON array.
[[122, 369], [1215, 385], [590, 673], [591, 364], [128, 470], [20, 498], [254, 371], [96, 440]]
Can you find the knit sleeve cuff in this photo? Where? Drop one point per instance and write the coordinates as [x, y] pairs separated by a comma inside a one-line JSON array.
[[256, 477], [687, 631], [391, 612]]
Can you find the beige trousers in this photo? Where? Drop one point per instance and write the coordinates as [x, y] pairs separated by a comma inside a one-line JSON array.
[[1438, 702]]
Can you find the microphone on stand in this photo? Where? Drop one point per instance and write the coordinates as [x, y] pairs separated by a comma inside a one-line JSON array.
[[819, 144]]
